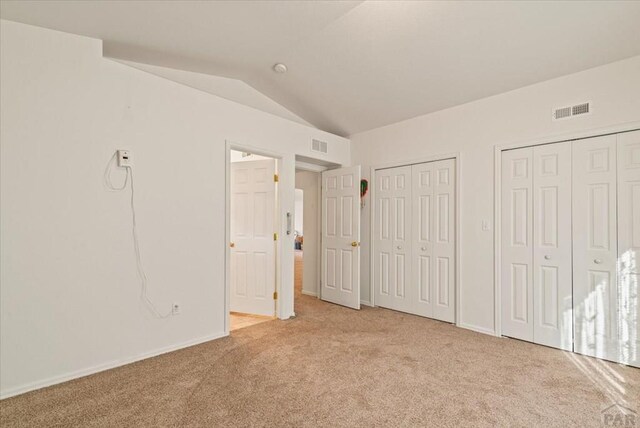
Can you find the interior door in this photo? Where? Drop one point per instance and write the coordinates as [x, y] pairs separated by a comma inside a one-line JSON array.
[[252, 237], [340, 275], [392, 240], [595, 290], [552, 275], [444, 239], [517, 243], [629, 247]]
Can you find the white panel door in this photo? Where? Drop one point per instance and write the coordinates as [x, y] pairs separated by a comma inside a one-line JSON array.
[[552, 282], [516, 276], [443, 218], [629, 247], [252, 243], [392, 240], [595, 291], [422, 230], [340, 275]]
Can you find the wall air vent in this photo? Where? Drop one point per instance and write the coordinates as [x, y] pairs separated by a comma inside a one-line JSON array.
[[318, 146], [570, 111]]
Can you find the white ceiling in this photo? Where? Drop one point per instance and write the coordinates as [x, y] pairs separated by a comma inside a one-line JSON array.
[[355, 66]]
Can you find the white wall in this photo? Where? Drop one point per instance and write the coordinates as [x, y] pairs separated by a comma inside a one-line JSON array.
[[70, 297], [299, 213], [309, 183], [473, 130]]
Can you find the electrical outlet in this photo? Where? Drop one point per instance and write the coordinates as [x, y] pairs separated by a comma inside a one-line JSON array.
[[176, 309], [124, 158]]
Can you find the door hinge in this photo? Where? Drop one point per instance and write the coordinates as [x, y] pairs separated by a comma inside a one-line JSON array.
[[275, 295], [275, 236], [276, 178]]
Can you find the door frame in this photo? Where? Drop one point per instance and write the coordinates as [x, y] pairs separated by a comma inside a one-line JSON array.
[[433, 158], [497, 182], [318, 170], [279, 158]]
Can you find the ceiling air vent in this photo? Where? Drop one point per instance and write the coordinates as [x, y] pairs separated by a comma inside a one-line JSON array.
[[319, 146], [570, 111]]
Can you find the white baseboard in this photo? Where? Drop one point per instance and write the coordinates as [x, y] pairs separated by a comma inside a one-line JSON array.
[[102, 367], [309, 293], [477, 329], [366, 303]]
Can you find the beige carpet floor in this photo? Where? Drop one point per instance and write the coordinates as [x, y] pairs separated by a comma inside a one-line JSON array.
[[332, 366]]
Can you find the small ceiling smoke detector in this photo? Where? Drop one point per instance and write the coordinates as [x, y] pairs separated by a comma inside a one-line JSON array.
[[280, 68]]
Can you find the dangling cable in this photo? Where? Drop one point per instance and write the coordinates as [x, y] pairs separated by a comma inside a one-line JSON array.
[[136, 245]]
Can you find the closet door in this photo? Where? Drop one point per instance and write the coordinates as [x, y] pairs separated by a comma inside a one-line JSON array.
[[629, 247], [423, 185], [516, 274], [552, 287], [444, 239], [595, 292], [392, 239]]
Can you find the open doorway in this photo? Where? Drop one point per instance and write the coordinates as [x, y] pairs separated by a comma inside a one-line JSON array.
[[253, 181], [307, 230]]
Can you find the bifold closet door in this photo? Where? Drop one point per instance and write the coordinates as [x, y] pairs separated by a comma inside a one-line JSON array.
[[433, 230], [552, 283], [629, 247], [536, 245], [595, 290], [392, 239]]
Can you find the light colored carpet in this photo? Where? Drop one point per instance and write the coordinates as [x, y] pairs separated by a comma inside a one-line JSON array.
[[333, 366]]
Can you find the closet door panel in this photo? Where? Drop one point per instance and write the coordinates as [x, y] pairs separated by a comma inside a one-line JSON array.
[[443, 218], [516, 265], [392, 236], [628, 148], [595, 291], [422, 229], [552, 286]]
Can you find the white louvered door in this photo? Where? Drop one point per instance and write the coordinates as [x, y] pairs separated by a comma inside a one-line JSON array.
[[516, 276], [414, 239], [628, 148], [392, 268]]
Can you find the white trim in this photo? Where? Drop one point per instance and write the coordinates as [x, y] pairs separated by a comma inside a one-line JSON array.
[[497, 178], [309, 293], [433, 158], [106, 366], [280, 167], [477, 329], [306, 166], [366, 303]]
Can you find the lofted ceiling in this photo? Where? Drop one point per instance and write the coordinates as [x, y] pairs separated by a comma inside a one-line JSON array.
[[353, 65]]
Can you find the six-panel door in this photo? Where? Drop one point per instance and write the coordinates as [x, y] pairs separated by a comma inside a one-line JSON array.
[[252, 244], [340, 274]]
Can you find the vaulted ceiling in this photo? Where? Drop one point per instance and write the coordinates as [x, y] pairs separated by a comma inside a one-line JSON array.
[[355, 66]]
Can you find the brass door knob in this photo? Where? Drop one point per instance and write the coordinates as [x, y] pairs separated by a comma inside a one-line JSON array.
[[354, 244], [232, 244]]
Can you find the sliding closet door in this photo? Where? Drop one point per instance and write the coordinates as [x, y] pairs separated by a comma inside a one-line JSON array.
[[595, 292], [516, 274], [629, 247], [552, 287], [444, 208], [392, 239]]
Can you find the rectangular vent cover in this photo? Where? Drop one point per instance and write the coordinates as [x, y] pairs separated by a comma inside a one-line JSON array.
[[570, 111], [319, 146]]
